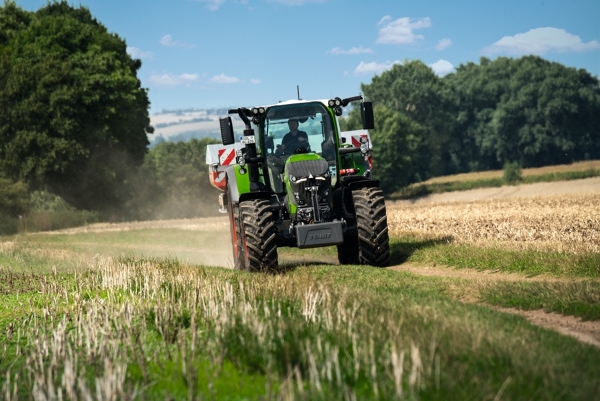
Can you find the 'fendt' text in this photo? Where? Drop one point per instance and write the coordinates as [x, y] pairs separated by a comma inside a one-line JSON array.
[[320, 236]]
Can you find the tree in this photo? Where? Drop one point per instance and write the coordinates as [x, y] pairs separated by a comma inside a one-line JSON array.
[[396, 139], [527, 110], [14, 198], [413, 89], [73, 114]]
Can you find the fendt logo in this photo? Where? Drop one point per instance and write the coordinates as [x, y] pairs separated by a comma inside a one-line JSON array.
[[320, 236]]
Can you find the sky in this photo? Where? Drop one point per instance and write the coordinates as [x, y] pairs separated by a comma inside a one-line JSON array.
[[231, 53]]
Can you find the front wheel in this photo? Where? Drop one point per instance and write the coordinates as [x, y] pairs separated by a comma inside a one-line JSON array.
[[371, 243], [259, 236]]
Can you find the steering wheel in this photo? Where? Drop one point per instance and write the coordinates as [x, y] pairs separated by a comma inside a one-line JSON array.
[[296, 146]]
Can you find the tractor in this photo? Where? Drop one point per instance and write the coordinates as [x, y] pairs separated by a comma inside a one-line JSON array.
[[295, 180]]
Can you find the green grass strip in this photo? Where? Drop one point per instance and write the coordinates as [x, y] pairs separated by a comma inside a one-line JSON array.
[[580, 299], [483, 258]]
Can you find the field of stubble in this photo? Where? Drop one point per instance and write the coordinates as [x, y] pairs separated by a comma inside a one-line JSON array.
[[563, 223]]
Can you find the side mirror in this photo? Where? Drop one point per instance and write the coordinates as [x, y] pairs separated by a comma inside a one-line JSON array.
[[366, 114], [226, 131]]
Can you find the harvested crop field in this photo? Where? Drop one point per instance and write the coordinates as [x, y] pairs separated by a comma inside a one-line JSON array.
[[558, 222]]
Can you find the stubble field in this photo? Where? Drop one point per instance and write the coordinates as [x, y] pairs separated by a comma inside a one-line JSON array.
[[135, 311]]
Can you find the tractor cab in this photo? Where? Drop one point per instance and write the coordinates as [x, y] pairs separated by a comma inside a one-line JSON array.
[[294, 129]]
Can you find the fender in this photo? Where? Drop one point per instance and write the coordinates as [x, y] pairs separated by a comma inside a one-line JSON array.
[[356, 181], [238, 186]]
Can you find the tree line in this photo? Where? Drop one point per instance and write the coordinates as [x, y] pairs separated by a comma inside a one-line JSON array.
[[527, 110]]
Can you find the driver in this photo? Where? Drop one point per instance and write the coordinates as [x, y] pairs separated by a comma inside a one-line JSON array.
[[293, 136]]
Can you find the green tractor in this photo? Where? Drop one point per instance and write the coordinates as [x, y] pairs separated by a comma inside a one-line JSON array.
[[292, 181]]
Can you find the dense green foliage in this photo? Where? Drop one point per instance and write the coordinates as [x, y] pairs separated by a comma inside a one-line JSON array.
[[397, 138], [527, 111], [14, 199], [512, 173], [72, 112]]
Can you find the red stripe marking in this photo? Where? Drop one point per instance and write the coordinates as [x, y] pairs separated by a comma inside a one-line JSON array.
[[229, 158]]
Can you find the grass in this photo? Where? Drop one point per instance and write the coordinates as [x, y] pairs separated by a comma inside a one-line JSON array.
[[141, 326], [580, 298], [494, 179], [528, 262]]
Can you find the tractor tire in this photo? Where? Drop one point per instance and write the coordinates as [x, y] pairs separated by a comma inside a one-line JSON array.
[[235, 229], [371, 221], [260, 243]]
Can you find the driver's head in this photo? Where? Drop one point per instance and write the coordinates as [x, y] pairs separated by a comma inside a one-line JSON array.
[[293, 124]]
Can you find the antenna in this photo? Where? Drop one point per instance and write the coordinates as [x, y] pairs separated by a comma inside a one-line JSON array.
[[298, 89]]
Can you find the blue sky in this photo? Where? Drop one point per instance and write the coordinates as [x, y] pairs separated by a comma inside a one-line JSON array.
[[230, 53]]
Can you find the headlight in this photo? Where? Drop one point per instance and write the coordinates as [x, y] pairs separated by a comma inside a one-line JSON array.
[[292, 178]]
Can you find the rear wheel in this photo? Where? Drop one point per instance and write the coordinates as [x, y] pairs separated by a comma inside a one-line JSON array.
[[259, 238], [236, 234], [371, 243]]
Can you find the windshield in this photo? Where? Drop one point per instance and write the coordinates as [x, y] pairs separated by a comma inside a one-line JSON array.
[[294, 128]]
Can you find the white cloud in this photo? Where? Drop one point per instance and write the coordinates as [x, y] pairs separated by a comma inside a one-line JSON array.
[[224, 79], [168, 41], [296, 2], [443, 44], [373, 67], [173, 80], [400, 31], [442, 67], [541, 41], [255, 81], [134, 52], [355, 50], [212, 5]]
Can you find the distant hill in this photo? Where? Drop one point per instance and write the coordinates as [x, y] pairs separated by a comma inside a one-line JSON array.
[[185, 124]]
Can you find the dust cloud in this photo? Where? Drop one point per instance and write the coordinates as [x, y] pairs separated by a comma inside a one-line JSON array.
[[199, 241]]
